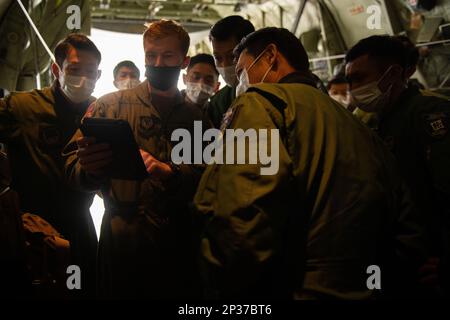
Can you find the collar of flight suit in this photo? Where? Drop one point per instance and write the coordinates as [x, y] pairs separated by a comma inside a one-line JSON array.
[[60, 102], [143, 92], [402, 102], [299, 77]]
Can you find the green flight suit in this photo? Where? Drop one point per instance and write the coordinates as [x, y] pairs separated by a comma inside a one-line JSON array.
[[207, 123], [35, 126], [416, 130], [335, 207], [219, 104], [147, 244]]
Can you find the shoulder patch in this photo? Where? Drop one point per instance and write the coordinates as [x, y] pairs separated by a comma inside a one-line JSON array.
[[50, 136], [149, 126], [228, 117], [436, 124], [90, 111]]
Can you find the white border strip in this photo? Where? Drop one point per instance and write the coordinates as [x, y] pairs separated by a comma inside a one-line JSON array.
[[50, 53]]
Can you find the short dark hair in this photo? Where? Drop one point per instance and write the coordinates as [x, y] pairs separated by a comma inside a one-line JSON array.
[[78, 41], [203, 58], [287, 43], [339, 79], [412, 53], [231, 27], [384, 49], [128, 64]]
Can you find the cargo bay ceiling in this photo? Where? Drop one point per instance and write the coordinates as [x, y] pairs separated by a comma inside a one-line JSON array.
[[339, 23], [327, 28]]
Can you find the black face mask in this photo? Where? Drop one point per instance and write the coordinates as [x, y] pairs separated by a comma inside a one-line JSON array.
[[162, 78]]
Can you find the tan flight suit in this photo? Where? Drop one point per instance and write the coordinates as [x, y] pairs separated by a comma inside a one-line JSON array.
[[147, 244], [335, 207]]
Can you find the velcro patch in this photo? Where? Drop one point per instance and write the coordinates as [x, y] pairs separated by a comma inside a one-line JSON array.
[[228, 117], [437, 124]]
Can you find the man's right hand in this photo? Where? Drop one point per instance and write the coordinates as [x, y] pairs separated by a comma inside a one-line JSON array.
[[94, 157]]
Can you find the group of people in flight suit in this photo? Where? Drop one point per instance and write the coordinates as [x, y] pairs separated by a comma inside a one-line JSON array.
[[345, 196]]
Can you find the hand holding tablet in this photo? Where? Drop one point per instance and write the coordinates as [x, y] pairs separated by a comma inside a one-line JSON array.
[[109, 148]]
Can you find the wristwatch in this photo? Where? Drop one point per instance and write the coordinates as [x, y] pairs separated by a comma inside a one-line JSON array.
[[175, 169], [173, 180], [4, 191]]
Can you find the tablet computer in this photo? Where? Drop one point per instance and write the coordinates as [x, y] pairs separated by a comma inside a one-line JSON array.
[[127, 162]]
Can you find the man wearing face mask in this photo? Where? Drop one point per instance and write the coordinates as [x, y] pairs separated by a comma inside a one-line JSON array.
[[126, 75], [147, 245], [333, 207], [35, 126], [338, 90], [414, 125], [224, 36], [201, 79]]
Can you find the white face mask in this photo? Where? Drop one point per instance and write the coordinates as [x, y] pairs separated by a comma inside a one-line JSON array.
[[77, 89], [198, 93], [343, 100], [244, 82], [369, 97], [228, 74], [127, 83]]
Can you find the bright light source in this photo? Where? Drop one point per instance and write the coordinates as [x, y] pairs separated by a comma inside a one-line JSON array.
[[97, 209], [115, 47]]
